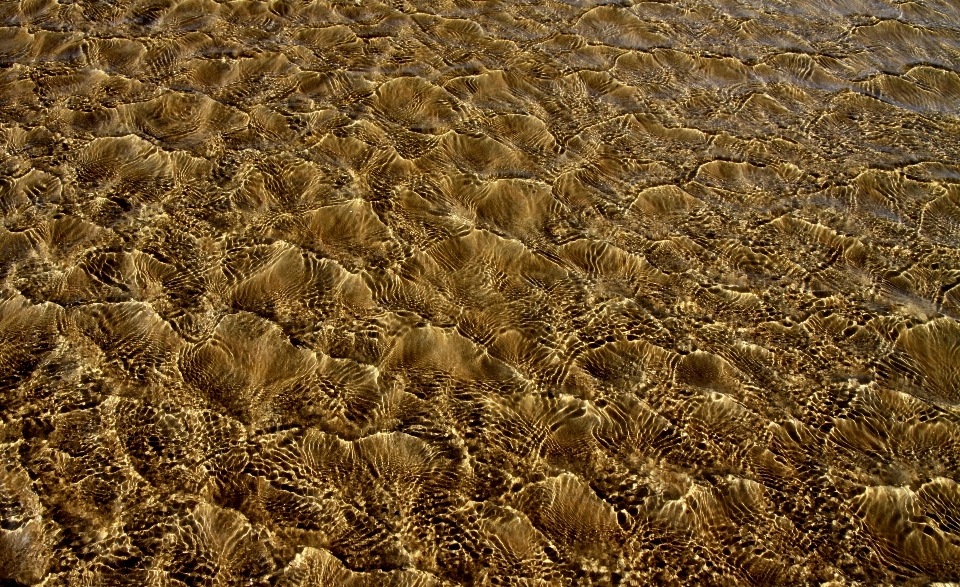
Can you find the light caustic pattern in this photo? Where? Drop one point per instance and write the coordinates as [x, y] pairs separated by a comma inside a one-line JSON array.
[[479, 293]]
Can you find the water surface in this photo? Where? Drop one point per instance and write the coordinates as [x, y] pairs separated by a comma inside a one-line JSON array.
[[479, 293]]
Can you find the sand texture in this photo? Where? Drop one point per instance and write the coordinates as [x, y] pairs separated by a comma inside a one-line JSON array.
[[497, 293]]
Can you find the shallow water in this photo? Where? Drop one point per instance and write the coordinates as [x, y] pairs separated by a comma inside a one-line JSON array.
[[479, 293]]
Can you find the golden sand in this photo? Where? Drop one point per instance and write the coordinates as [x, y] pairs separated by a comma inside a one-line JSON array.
[[479, 293]]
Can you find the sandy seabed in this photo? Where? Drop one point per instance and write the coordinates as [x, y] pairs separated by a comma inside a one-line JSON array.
[[479, 293]]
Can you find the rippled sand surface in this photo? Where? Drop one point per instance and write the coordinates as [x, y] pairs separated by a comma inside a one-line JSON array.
[[479, 293]]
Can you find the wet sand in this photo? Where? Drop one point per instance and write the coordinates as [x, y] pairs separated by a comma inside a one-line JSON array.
[[479, 293]]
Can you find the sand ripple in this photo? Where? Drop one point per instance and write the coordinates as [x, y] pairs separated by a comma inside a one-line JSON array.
[[308, 293]]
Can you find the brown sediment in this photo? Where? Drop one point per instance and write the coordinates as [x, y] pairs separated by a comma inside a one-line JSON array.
[[308, 293]]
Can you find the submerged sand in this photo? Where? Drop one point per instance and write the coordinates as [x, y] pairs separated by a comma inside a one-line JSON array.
[[479, 293]]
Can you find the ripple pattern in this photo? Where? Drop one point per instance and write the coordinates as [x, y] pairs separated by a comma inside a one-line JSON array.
[[432, 293]]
